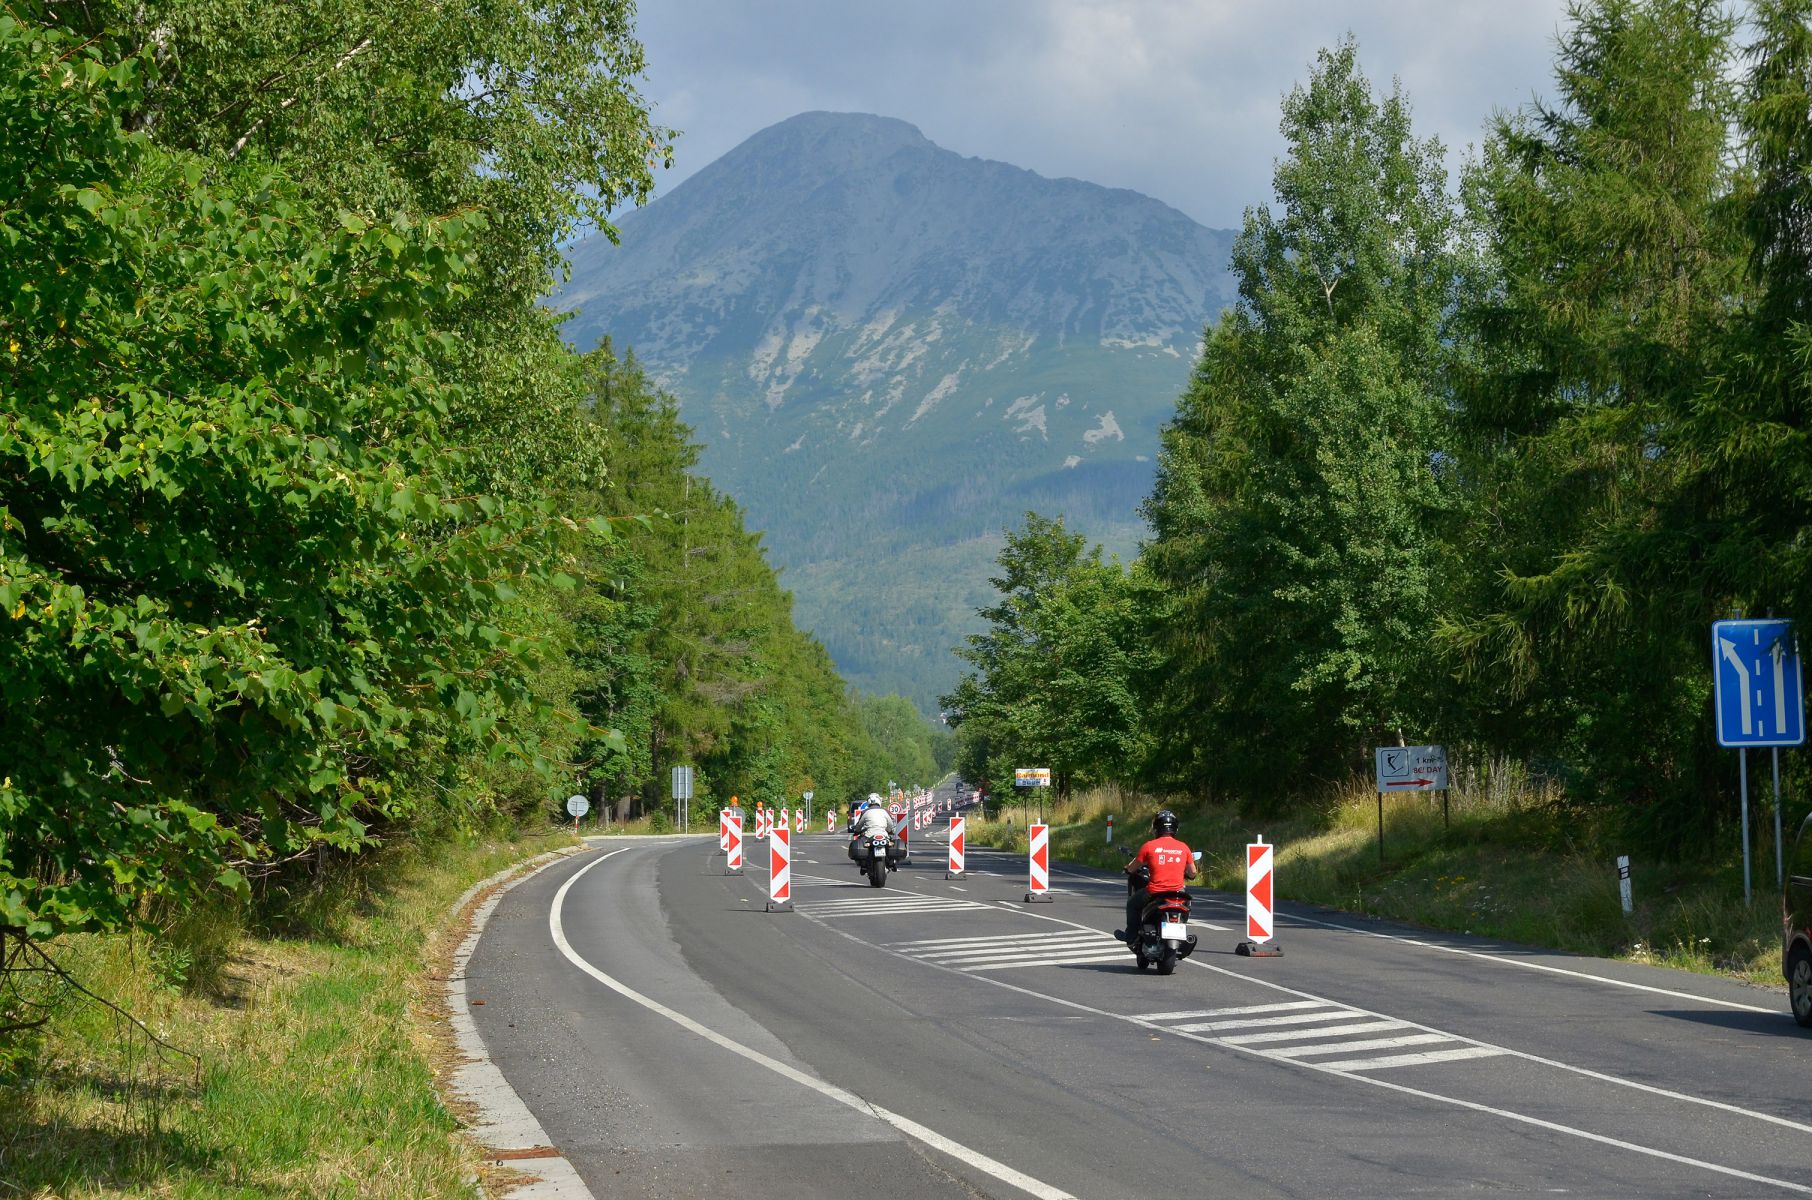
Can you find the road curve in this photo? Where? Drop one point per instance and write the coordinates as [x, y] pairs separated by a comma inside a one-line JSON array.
[[941, 1038]]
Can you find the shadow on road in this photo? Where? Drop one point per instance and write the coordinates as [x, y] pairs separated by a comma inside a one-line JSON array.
[[1766, 1024]]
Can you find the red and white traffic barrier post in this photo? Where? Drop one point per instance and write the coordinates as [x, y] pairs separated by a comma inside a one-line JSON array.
[[955, 870], [1039, 851], [723, 831], [732, 843], [1259, 876], [762, 820], [780, 869], [830, 821], [799, 820]]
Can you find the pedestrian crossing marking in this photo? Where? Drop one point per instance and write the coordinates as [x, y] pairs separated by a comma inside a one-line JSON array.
[[873, 906], [1006, 952], [1297, 1035], [1322, 1034]]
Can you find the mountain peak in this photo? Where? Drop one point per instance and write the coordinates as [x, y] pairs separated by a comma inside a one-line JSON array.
[[890, 351]]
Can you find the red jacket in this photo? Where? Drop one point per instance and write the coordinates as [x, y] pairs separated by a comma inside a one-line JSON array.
[[1170, 862]]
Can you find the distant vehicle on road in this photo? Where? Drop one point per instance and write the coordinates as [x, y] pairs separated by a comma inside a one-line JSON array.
[[1796, 927]]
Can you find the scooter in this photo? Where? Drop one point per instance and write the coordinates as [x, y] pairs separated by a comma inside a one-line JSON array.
[[1162, 938]]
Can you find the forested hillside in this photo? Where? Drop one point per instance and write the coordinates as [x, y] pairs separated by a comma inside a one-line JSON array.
[[1474, 466], [890, 351], [313, 533]]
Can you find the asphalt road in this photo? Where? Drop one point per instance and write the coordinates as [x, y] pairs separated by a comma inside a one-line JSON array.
[[942, 1038]]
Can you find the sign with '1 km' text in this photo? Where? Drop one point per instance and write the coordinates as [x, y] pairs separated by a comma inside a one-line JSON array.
[[1412, 768]]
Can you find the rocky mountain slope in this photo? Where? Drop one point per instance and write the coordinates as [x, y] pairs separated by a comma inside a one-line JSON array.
[[891, 352]]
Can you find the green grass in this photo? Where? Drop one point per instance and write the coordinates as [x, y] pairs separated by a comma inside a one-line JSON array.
[[1506, 868], [318, 1050]]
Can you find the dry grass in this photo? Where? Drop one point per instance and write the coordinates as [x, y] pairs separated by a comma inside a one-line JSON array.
[[316, 1075]]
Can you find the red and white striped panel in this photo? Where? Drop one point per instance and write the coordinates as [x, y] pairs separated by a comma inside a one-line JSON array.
[[1040, 854], [798, 820], [732, 841], [956, 845], [723, 829], [1258, 892], [780, 866]]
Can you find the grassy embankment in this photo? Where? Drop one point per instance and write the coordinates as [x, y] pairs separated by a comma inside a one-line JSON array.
[[1507, 868], [317, 1043]]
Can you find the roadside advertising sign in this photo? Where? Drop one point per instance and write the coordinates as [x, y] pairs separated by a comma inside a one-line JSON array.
[[1031, 777], [1412, 768]]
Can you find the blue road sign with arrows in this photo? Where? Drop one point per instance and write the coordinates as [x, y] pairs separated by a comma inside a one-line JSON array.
[[1760, 696]]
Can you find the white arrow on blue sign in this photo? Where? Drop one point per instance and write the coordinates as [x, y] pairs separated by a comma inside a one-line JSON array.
[[1760, 696]]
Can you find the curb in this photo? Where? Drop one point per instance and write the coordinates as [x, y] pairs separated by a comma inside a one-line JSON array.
[[505, 1129]]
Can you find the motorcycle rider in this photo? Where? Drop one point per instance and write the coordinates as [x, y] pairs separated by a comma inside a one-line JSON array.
[[870, 819], [1169, 862]]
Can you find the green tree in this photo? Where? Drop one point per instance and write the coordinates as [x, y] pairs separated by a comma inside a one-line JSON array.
[[1611, 220], [241, 574], [1055, 671], [1300, 497]]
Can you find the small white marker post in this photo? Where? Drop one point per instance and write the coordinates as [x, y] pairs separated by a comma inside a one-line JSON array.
[[1623, 883]]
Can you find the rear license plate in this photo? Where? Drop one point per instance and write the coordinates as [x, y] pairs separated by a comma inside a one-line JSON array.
[[1174, 930]]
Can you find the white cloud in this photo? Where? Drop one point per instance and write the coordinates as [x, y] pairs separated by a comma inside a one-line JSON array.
[[1174, 98]]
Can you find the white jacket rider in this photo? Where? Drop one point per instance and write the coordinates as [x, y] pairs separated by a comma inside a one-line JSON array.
[[871, 820]]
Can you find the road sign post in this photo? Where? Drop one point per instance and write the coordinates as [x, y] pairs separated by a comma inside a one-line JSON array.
[[1025, 778], [807, 796], [682, 797], [1409, 769], [578, 806], [1759, 697]]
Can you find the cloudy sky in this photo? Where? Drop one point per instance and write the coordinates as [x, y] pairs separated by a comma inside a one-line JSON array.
[[1174, 98]]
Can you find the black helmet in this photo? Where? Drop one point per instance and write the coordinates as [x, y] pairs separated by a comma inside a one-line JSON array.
[[1165, 822]]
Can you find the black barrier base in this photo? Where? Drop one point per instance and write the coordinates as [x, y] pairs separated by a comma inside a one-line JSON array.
[[729, 870], [954, 875], [780, 906], [1038, 898], [1257, 950]]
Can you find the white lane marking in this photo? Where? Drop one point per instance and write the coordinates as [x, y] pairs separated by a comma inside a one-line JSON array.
[[891, 911], [1192, 1014], [1374, 1081], [954, 888], [1526, 1056], [1534, 966], [1073, 960], [1080, 941], [1496, 958], [1386, 1043], [1019, 954], [1411, 1060], [997, 939], [1332, 1014], [937, 1141], [1297, 1035]]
